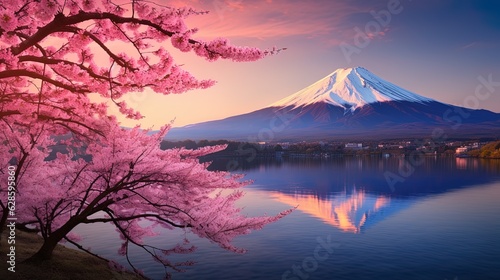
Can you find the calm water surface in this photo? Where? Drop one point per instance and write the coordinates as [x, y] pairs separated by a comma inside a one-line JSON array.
[[439, 219]]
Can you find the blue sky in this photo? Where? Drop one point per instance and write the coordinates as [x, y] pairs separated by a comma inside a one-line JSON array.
[[439, 49]]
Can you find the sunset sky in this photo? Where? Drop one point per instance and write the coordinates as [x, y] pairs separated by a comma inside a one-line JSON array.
[[434, 48]]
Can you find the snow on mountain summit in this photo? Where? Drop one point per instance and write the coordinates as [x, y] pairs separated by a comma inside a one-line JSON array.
[[349, 88]]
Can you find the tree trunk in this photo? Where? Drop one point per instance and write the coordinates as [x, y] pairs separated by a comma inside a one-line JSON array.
[[45, 252], [50, 243]]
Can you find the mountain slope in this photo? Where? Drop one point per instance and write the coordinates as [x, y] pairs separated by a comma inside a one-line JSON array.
[[350, 103], [349, 88]]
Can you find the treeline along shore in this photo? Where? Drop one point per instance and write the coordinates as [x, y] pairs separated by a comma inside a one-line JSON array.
[[482, 148], [479, 148]]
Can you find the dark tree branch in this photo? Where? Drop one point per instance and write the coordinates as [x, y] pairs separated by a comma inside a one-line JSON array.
[[26, 73], [46, 60], [60, 22], [116, 58], [133, 217], [85, 250]]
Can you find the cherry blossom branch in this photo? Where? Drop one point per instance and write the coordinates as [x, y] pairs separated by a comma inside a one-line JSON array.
[[26, 73], [128, 240], [46, 60], [134, 217], [63, 121]]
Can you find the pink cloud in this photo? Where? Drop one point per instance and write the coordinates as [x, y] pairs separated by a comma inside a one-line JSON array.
[[329, 22], [375, 35], [264, 19]]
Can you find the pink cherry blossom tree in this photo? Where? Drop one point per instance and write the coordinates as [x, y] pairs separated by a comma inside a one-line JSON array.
[[130, 179], [53, 55]]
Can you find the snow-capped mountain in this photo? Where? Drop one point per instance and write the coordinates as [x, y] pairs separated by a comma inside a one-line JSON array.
[[349, 88], [350, 103]]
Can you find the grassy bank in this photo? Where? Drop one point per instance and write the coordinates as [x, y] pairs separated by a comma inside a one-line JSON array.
[[65, 264]]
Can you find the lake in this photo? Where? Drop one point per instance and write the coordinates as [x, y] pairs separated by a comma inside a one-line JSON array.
[[356, 218]]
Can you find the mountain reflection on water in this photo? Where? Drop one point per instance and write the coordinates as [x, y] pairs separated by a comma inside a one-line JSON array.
[[439, 222], [354, 193], [349, 212]]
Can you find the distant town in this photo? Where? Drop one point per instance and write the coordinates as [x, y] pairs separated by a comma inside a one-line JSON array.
[[323, 149]]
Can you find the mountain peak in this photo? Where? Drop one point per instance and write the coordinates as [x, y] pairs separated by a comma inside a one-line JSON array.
[[350, 88], [350, 104]]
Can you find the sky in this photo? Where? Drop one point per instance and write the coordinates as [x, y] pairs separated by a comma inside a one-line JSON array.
[[448, 50]]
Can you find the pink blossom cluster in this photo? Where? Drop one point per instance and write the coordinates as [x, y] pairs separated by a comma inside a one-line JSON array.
[[60, 39], [72, 158]]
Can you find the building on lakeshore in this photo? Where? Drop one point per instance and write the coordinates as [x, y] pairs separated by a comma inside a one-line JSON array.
[[354, 146]]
